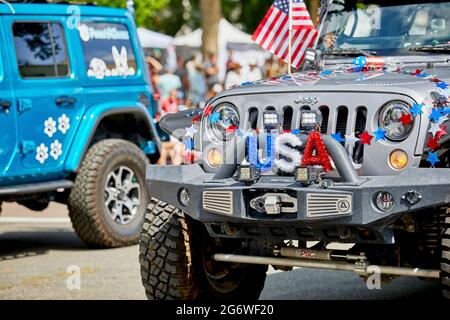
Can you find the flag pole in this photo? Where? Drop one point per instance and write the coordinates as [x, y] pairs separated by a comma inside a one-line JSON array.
[[290, 40]]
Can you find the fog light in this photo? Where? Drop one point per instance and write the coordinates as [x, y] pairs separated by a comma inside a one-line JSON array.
[[310, 119], [384, 201], [271, 119], [246, 173], [398, 159], [184, 196], [214, 158], [307, 175]]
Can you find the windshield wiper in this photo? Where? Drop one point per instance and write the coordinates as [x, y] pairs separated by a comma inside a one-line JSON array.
[[349, 52], [431, 48]]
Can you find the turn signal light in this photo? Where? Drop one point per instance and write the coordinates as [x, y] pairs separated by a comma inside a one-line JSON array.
[[398, 159]]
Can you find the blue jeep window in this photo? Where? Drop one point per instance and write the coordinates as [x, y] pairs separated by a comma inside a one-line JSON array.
[[107, 50], [40, 49]]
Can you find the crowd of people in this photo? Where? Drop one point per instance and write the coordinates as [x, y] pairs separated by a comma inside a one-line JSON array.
[[193, 83]]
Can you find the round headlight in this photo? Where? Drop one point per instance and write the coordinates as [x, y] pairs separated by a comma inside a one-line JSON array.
[[390, 121], [225, 125]]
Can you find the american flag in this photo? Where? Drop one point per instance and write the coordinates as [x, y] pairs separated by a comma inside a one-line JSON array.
[[273, 32]]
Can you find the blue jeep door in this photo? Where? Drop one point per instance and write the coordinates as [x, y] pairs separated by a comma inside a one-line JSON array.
[[50, 101], [8, 130]]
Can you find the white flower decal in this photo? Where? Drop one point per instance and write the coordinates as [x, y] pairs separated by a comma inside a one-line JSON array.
[[50, 127], [63, 123], [41, 153], [56, 149]]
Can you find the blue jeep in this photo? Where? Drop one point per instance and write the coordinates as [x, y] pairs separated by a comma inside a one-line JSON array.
[[76, 116]]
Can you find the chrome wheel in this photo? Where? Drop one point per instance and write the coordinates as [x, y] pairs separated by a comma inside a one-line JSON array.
[[122, 195]]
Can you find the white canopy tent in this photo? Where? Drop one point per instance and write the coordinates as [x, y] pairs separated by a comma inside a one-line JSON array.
[[155, 40], [229, 37]]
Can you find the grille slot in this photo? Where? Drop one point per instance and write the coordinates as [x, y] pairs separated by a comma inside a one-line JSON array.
[[253, 118], [325, 118], [218, 202], [361, 119], [341, 120], [324, 205], [287, 118]]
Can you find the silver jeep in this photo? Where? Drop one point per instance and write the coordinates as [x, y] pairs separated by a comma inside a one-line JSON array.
[[375, 87]]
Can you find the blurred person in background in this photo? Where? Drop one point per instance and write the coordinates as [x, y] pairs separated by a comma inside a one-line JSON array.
[[168, 82], [183, 74], [197, 85], [214, 90], [230, 62], [170, 104], [234, 76], [211, 70], [154, 68], [171, 150], [254, 73]]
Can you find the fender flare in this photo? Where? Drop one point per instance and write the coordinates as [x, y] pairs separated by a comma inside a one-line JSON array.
[[90, 122]]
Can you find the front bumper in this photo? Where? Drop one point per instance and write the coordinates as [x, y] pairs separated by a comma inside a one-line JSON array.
[[165, 182]]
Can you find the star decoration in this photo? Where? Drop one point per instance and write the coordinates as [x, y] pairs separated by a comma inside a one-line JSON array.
[[188, 144], [350, 140], [423, 75], [326, 73], [405, 119], [435, 115], [442, 119], [231, 129], [338, 137], [215, 117], [432, 158], [442, 85], [441, 133], [433, 143], [434, 129], [191, 131], [196, 119], [207, 111], [365, 137], [416, 109], [394, 128], [379, 134]]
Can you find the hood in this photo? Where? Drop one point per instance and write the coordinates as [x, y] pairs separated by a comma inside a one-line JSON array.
[[405, 81]]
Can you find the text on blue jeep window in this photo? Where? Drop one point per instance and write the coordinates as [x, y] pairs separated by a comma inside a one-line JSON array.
[[40, 49], [108, 51]]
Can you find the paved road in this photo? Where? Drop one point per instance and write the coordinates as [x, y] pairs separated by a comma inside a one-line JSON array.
[[35, 255]]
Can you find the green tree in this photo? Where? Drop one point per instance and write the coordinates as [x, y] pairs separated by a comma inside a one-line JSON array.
[[167, 16]]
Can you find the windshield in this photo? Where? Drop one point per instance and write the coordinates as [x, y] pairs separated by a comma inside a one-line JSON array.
[[384, 27]]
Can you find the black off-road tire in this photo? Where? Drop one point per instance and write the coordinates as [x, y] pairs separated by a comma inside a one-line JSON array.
[[86, 203], [172, 260], [445, 262]]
